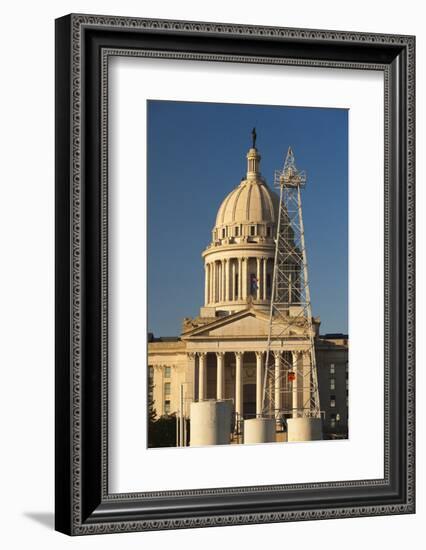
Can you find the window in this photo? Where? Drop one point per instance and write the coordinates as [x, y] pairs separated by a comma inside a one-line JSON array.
[[167, 388], [167, 406], [333, 420], [237, 231], [268, 231], [252, 230], [332, 383], [332, 400], [332, 368], [347, 384], [223, 232], [150, 372], [167, 372]]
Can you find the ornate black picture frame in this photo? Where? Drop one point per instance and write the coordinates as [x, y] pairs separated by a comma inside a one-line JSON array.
[[83, 45]]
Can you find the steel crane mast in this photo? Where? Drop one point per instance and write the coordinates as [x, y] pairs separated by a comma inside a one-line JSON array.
[[290, 386]]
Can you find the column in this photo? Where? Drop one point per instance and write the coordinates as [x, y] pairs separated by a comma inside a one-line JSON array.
[[258, 279], [206, 284], [265, 264], [219, 281], [202, 376], [277, 376], [240, 277], [223, 280], [189, 379], [210, 284], [213, 268], [295, 384], [259, 382], [307, 386], [239, 384], [220, 384], [233, 281], [227, 297]]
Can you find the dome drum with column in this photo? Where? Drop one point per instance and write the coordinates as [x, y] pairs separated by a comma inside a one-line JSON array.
[[239, 261]]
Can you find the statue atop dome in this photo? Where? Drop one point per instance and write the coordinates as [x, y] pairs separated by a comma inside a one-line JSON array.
[[253, 138]]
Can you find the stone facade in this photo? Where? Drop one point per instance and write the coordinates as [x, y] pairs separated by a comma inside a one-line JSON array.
[[172, 365]]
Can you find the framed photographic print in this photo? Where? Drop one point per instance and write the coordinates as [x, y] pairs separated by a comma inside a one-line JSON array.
[[234, 274]]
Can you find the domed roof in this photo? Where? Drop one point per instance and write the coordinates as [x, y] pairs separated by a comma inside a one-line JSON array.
[[252, 201]]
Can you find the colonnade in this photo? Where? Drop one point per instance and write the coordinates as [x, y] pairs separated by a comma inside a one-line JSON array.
[[299, 389], [227, 280]]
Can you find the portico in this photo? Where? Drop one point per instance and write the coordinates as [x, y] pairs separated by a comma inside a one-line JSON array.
[[239, 376], [227, 356]]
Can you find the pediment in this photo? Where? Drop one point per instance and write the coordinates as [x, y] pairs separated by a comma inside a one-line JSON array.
[[243, 324]]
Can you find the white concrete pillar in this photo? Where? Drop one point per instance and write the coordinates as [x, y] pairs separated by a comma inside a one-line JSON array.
[[211, 423], [259, 430], [259, 382], [265, 264], [202, 375], [239, 384], [220, 355], [277, 376], [295, 383], [258, 279], [240, 278], [304, 429]]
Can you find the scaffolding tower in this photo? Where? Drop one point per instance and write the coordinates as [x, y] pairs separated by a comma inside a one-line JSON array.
[[290, 388]]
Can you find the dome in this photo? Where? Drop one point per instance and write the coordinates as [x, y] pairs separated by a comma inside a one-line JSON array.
[[252, 202]]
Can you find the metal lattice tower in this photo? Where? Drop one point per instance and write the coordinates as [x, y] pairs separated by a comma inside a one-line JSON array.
[[290, 382]]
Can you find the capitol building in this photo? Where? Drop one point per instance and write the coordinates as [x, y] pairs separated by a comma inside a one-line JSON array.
[[220, 354]]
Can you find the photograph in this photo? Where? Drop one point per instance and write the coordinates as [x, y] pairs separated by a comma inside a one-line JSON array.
[[247, 262]]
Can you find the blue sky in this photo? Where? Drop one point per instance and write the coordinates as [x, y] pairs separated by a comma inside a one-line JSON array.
[[197, 155]]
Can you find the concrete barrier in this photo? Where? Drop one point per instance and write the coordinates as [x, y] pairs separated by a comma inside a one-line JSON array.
[[304, 429], [210, 423], [259, 430]]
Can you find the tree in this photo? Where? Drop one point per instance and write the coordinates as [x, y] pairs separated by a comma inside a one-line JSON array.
[[161, 431]]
